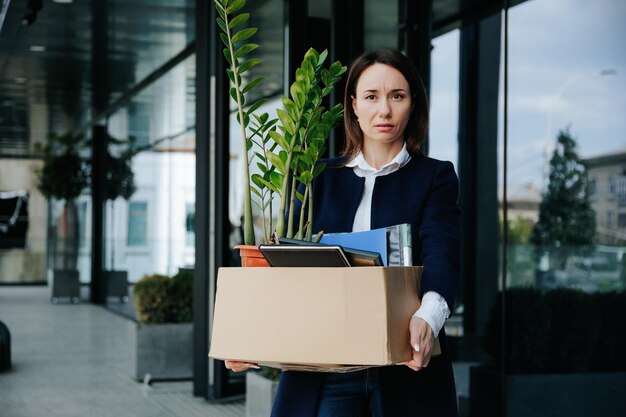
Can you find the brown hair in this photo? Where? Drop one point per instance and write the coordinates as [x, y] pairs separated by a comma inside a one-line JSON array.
[[415, 131]]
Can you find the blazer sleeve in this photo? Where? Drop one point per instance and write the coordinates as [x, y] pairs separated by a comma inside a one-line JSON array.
[[439, 235]]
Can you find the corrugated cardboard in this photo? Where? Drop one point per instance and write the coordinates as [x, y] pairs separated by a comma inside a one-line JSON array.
[[335, 319]]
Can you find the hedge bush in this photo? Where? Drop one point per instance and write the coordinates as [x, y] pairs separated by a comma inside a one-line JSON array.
[[561, 331], [161, 299]]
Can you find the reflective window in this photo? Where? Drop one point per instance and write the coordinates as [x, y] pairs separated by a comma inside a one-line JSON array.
[[147, 232], [444, 98], [137, 223], [380, 26]]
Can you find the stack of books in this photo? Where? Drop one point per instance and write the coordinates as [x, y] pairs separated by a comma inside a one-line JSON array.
[[389, 246]]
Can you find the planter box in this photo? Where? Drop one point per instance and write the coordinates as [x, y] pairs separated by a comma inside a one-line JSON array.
[[260, 395], [117, 284], [548, 395], [65, 283], [162, 350]]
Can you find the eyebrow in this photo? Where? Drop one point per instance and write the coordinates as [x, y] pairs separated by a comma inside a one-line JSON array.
[[392, 91]]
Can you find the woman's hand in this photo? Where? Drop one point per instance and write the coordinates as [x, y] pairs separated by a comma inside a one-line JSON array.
[[422, 343], [238, 366]]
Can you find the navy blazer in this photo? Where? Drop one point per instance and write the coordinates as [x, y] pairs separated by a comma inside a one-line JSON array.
[[423, 193]]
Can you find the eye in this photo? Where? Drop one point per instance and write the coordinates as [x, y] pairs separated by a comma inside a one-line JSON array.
[[370, 97], [397, 96]]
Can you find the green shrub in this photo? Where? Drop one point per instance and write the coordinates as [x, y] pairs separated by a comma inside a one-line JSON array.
[[528, 320], [609, 352], [561, 331], [161, 299], [573, 335], [182, 295]]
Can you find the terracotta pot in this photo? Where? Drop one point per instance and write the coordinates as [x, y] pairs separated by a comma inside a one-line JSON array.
[[251, 256]]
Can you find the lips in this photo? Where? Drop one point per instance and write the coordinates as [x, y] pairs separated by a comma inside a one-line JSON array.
[[384, 126]]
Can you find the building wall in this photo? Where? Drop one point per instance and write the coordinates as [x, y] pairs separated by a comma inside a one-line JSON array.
[[606, 201], [28, 264]]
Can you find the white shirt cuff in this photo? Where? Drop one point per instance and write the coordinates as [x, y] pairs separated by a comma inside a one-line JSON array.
[[433, 310]]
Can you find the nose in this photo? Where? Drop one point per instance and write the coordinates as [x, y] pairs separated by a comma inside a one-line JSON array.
[[384, 109]]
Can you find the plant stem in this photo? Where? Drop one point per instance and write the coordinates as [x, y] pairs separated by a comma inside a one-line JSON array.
[[304, 199], [292, 200], [248, 229], [309, 230]]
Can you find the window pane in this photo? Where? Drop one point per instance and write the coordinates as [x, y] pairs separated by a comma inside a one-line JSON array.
[[137, 223], [444, 98]]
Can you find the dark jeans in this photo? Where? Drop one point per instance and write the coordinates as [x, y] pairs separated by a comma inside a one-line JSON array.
[[352, 394]]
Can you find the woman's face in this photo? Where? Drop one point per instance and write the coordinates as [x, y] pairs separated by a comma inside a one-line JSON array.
[[382, 104]]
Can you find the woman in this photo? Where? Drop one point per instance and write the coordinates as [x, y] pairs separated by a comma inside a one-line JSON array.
[[382, 180]]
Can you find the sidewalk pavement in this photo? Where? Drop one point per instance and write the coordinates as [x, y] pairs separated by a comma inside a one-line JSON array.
[[70, 361]]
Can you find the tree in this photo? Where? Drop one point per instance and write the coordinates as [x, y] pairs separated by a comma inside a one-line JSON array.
[[567, 223], [64, 176]]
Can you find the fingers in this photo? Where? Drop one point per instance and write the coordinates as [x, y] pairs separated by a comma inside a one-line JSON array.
[[411, 364], [238, 366], [421, 342]]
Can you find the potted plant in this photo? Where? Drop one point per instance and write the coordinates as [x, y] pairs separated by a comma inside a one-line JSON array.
[[286, 149], [564, 351], [119, 182], [162, 336], [63, 177]]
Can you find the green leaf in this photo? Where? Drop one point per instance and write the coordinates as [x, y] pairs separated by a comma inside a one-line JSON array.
[[224, 39], [297, 95], [318, 169], [256, 105], [235, 6], [256, 191], [286, 121], [306, 177], [269, 185], [309, 70], [247, 65], [307, 159], [252, 84], [336, 69], [244, 34], [276, 161], [242, 18], [231, 75], [327, 78], [227, 55], [322, 57], [283, 156], [290, 106], [279, 139], [301, 76], [299, 196], [276, 179], [233, 93], [312, 56], [245, 49], [262, 167], [222, 24], [220, 7], [256, 179]]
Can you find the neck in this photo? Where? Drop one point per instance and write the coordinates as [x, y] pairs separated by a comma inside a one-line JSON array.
[[378, 155]]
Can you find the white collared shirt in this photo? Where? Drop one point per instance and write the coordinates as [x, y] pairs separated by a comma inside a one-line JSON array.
[[434, 309]]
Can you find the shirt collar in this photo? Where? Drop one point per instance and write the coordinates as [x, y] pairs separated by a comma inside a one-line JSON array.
[[399, 161]]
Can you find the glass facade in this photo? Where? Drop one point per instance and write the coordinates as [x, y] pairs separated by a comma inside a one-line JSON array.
[[544, 241]]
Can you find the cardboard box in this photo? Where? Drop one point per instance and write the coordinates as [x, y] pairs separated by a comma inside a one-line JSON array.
[[315, 318]]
